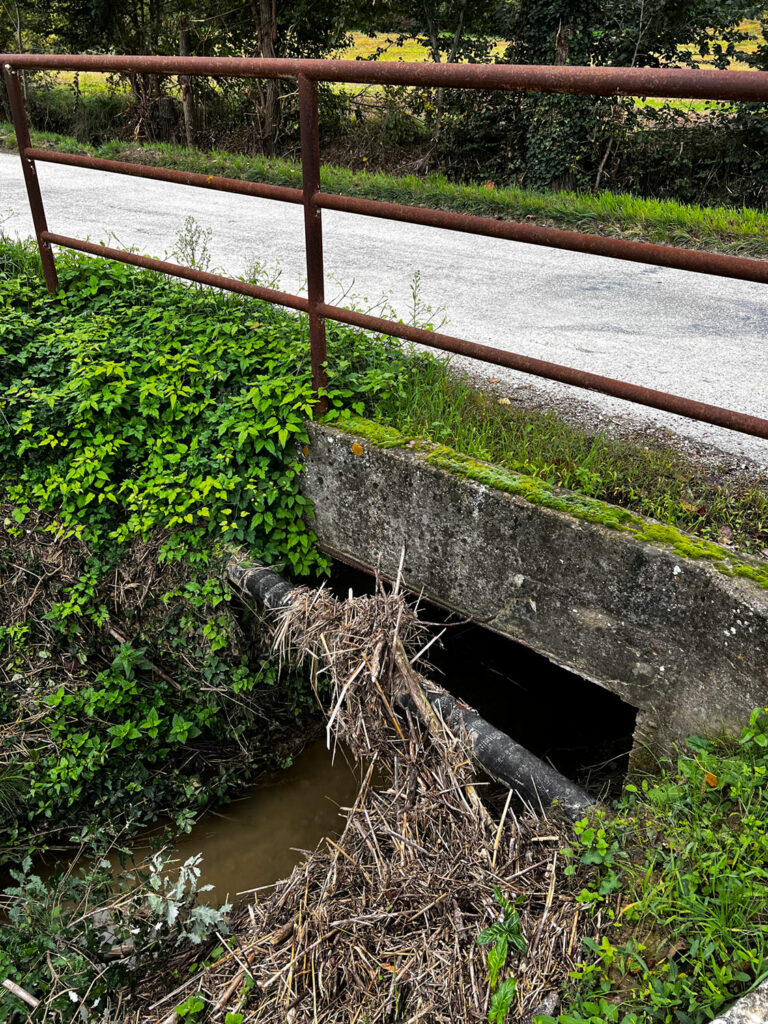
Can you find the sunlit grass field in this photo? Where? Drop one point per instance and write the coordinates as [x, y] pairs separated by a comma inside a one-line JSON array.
[[88, 81], [364, 46], [750, 25]]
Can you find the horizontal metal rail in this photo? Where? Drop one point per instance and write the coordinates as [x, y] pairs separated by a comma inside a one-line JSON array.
[[230, 284], [672, 83], [554, 371], [739, 267], [701, 262], [212, 181], [685, 83]]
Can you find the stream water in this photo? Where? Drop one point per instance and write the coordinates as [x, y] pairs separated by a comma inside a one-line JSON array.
[[254, 840], [257, 839], [260, 836]]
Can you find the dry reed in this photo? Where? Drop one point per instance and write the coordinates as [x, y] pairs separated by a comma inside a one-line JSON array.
[[380, 924]]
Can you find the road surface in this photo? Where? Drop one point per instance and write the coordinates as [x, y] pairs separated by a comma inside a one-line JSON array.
[[689, 334]]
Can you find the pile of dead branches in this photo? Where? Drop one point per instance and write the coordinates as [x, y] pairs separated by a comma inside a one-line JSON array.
[[382, 924]]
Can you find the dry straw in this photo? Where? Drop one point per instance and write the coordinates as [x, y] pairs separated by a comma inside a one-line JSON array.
[[380, 924]]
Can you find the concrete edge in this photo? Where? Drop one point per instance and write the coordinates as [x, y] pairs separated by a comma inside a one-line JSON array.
[[731, 563], [749, 1009]]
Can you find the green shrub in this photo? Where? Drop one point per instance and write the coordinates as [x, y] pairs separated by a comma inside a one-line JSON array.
[[90, 116], [80, 938], [150, 429]]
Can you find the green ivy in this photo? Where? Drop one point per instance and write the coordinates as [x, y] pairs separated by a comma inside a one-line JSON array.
[[149, 429]]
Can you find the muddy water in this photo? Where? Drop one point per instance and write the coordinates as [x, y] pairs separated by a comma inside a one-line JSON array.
[[253, 841], [257, 839]]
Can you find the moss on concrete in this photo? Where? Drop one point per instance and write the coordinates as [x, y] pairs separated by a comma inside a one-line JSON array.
[[376, 433], [538, 492]]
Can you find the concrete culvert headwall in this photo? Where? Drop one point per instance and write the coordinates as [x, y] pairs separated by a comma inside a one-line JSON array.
[[675, 626]]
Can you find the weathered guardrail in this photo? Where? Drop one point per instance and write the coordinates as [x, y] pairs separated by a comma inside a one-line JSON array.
[[604, 81]]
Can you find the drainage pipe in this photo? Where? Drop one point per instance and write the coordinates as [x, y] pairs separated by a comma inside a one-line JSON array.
[[497, 753], [506, 760], [261, 583]]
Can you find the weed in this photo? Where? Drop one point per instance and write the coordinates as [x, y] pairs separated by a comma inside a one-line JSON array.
[[80, 935], [681, 880], [193, 246], [503, 937]]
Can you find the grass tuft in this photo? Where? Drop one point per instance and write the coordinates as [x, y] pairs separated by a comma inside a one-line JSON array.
[[680, 884], [651, 479]]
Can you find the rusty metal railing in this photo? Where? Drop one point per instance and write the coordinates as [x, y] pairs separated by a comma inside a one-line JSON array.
[[749, 86]]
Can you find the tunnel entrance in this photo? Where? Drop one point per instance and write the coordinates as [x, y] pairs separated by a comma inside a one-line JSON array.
[[581, 729]]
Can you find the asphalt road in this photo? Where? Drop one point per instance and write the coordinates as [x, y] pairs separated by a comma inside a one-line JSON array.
[[693, 335]]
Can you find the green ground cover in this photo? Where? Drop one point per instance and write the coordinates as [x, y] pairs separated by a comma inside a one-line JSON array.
[[681, 885], [739, 231], [148, 429]]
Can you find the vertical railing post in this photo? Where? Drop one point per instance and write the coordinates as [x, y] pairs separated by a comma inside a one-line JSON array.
[[313, 230], [21, 128]]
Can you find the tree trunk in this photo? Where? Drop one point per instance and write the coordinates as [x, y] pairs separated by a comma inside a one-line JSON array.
[[562, 43], [434, 45], [268, 37], [20, 41], [266, 19], [187, 98]]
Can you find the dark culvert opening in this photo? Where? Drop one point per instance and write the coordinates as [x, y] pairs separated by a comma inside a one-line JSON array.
[[584, 731]]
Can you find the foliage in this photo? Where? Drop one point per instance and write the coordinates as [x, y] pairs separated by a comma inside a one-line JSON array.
[[556, 141], [90, 115], [681, 875], [76, 938], [150, 429], [689, 151], [198, 28], [503, 936]]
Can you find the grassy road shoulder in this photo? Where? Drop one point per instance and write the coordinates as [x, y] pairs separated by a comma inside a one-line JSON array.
[[736, 231]]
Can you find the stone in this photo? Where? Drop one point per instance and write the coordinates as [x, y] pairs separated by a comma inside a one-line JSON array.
[[750, 1009]]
